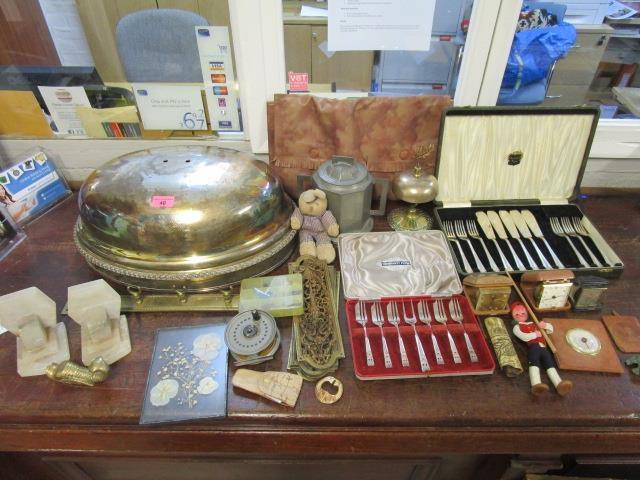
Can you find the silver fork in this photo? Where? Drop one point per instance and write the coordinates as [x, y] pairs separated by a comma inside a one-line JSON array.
[[361, 318], [441, 317], [378, 319], [581, 231], [394, 319], [462, 233], [451, 235], [411, 320], [473, 233], [456, 315], [425, 317], [557, 229]]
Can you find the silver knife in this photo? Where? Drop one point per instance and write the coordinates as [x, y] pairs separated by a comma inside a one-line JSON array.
[[497, 225], [513, 231], [522, 227], [487, 229], [535, 229]]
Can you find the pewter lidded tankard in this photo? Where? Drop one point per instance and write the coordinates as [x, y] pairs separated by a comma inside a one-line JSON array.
[[349, 188]]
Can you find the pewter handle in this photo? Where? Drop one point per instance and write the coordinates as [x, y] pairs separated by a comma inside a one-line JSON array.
[[385, 350], [301, 178], [403, 351], [436, 349], [424, 363], [367, 346], [454, 349], [472, 353], [383, 196]]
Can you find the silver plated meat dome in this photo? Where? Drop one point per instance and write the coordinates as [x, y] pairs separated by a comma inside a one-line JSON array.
[[181, 218]]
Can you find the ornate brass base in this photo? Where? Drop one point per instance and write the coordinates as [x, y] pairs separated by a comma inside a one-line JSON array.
[[409, 219], [139, 301]]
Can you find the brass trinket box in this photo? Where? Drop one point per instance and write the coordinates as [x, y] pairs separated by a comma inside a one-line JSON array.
[[488, 293]]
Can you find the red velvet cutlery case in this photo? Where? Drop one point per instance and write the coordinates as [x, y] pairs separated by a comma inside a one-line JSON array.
[[408, 268]]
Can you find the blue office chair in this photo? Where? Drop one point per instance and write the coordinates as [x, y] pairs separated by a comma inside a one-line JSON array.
[[533, 93], [159, 45]]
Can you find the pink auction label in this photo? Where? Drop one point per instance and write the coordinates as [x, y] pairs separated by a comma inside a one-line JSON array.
[[162, 201]]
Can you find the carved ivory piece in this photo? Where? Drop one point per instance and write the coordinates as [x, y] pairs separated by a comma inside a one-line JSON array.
[[31, 316], [280, 387], [95, 306]]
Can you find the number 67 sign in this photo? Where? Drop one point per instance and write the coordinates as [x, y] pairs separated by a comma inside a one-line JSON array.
[[194, 120], [170, 107]]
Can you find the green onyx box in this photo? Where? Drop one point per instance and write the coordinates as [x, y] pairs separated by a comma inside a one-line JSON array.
[[280, 295]]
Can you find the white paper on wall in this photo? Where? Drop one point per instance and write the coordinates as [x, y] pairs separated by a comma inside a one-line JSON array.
[[67, 32], [380, 24]]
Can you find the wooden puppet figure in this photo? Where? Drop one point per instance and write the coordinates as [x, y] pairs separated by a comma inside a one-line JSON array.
[[538, 355]]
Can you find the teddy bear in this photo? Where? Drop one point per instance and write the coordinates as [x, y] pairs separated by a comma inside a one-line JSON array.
[[316, 225]]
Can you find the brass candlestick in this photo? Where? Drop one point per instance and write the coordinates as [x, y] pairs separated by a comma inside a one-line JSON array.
[[414, 187]]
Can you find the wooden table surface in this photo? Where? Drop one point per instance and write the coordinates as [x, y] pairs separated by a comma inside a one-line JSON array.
[[398, 418]]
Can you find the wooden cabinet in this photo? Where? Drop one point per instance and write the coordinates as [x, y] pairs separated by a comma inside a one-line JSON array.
[[305, 50], [24, 36], [167, 468], [297, 47], [573, 74], [350, 70]]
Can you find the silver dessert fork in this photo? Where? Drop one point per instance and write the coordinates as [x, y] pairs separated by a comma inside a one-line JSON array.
[[462, 233], [378, 320], [473, 233], [361, 318], [425, 317], [580, 232], [394, 319], [456, 315], [451, 235], [441, 317], [557, 229], [411, 320]]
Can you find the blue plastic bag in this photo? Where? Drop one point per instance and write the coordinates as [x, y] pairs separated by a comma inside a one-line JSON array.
[[534, 51]]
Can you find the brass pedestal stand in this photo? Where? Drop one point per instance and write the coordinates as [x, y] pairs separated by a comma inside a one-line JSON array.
[[409, 218]]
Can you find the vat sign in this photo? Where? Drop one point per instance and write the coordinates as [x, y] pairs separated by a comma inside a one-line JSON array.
[[298, 82]]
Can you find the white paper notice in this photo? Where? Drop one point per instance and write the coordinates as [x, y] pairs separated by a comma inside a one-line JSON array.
[[62, 103], [170, 107], [307, 11], [67, 33], [380, 24], [619, 11]]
